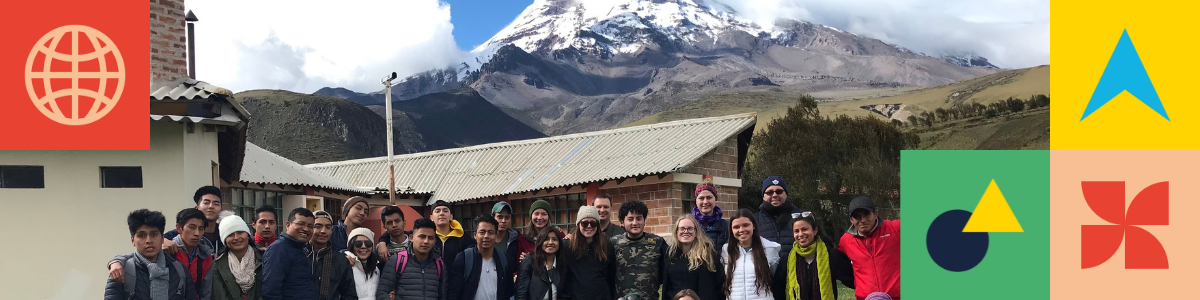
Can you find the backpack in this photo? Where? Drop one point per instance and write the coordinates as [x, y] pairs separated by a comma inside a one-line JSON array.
[[470, 262], [402, 261], [131, 275]]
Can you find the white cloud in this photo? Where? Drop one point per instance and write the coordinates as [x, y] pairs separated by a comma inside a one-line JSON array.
[[1010, 33], [303, 45]]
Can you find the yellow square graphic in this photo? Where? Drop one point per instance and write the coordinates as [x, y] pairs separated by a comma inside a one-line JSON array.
[[1084, 37]]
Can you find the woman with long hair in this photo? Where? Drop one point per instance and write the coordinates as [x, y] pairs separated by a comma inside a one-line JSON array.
[[692, 263], [808, 271], [540, 277], [749, 260], [710, 215], [360, 247], [593, 259]]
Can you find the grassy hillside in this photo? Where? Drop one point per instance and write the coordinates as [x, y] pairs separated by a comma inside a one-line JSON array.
[[1027, 130]]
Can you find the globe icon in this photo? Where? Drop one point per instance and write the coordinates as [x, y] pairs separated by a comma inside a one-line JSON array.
[[74, 75]]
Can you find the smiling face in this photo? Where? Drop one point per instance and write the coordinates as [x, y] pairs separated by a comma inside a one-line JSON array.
[[588, 226], [148, 241], [603, 206], [362, 247], [238, 241], [634, 223], [210, 205], [300, 228], [441, 215], [804, 233], [357, 214], [191, 232], [550, 245], [485, 235], [685, 231], [743, 229], [775, 195], [540, 218], [864, 221], [706, 201], [322, 230]]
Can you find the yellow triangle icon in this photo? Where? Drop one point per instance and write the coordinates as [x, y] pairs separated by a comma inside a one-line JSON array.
[[992, 214]]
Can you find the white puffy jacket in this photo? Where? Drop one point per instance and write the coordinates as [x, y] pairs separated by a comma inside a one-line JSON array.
[[364, 286], [742, 287]]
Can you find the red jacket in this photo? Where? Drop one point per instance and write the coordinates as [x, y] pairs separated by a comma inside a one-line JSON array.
[[198, 267], [876, 259]]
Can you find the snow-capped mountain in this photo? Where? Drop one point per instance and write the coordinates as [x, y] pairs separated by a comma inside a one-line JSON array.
[[969, 60], [577, 65]]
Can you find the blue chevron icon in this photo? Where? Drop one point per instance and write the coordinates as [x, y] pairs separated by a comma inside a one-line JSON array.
[[1125, 72]]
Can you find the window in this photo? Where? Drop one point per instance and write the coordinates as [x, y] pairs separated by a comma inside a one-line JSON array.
[[689, 197], [121, 177], [243, 202], [22, 177], [565, 209]]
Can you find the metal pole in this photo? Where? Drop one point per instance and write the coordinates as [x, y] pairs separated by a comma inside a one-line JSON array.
[[391, 168]]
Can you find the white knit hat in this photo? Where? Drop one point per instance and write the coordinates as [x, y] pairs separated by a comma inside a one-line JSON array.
[[228, 223], [587, 212], [357, 232]]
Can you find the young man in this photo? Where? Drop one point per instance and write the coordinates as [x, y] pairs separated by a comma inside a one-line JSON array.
[[196, 254], [603, 204], [354, 211], [264, 226], [775, 214], [147, 266], [287, 273], [208, 200], [640, 254], [481, 273], [873, 245], [393, 240], [417, 272], [334, 277], [450, 233], [508, 240]]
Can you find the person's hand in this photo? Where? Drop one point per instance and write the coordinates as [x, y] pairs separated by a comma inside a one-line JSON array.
[[169, 246], [522, 256], [383, 251], [116, 272], [351, 259]]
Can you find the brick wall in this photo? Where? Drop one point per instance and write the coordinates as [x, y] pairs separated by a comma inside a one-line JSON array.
[[665, 202], [720, 162], [168, 40]]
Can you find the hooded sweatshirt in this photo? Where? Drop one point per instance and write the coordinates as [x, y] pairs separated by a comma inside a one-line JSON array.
[[450, 244]]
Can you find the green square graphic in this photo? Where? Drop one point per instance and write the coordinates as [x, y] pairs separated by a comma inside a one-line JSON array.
[[1016, 264]]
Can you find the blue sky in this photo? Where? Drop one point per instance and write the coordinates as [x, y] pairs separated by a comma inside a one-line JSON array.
[[475, 21]]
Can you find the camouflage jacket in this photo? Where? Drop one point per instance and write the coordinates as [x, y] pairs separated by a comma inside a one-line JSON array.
[[639, 264]]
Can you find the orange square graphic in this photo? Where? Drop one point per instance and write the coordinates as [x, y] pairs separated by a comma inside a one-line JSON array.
[[1123, 205]]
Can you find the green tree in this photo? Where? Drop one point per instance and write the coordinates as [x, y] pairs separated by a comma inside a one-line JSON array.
[[827, 160]]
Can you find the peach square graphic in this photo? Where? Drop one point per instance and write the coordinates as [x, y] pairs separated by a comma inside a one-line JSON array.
[[1069, 211]]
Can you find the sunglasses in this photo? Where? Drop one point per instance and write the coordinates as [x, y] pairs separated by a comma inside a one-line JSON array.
[[361, 244], [589, 224], [803, 214], [773, 192]]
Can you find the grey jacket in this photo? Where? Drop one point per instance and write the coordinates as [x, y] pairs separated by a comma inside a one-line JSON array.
[[203, 251], [140, 281], [414, 282]]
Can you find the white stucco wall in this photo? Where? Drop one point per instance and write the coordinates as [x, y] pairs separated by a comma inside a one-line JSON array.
[[57, 239]]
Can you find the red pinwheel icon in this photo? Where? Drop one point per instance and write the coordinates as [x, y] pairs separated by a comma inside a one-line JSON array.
[[1149, 207]]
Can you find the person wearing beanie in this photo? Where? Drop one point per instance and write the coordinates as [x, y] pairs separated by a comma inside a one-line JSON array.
[[450, 233], [710, 215], [775, 213], [335, 279], [354, 214], [592, 259], [873, 244], [238, 270], [366, 261], [539, 218]]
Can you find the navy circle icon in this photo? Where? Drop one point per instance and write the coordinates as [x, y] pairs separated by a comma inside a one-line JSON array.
[[950, 247]]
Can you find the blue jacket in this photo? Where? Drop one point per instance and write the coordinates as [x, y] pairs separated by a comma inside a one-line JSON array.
[[287, 273], [463, 286]]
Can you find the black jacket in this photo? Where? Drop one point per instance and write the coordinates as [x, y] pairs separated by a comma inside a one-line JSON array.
[[839, 269], [454, 245], [341, 281], [588, 278], [707, 284], [718, 233], [530, 286], [463, 286], [287, 273], [775, 228]]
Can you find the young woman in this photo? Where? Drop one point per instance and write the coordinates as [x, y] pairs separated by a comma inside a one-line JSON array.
[[808, 271], [710, 215], [593, 260], [687, 295], [749, 260], [238, 272], [360, 246], [539, 277], [692, 263]]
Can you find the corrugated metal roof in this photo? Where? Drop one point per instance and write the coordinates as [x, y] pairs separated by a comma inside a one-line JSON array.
[[520, 166], [188, 89], [264, 167]]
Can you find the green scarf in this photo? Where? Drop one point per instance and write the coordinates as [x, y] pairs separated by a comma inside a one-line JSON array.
[[793, 284]]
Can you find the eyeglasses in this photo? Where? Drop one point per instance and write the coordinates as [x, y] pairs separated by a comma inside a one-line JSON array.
[[803, 214], [687, 229], [589, 224], [774, 192], [361, 244]]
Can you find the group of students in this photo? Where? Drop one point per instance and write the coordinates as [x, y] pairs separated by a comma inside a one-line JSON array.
[[749, 256]]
